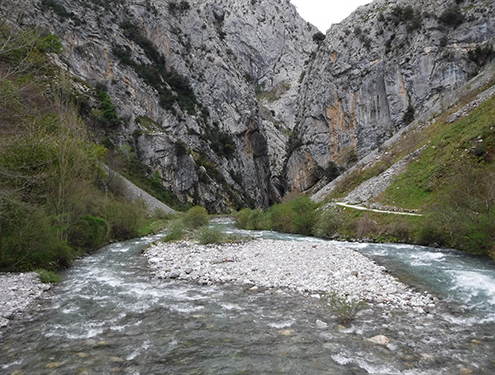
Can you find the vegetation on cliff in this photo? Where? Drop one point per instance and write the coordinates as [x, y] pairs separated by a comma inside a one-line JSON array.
[[54, 203]]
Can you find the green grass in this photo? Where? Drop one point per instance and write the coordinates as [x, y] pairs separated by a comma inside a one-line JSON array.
[[359, 176], [48, 277], [411, 190], [153, 226], [150, 125], [449, 145]]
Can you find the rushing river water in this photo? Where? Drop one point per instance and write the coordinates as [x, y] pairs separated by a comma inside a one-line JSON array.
[[110, 316]]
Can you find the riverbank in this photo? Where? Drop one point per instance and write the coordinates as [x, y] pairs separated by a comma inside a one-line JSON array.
[[307, 267], [17, 292]]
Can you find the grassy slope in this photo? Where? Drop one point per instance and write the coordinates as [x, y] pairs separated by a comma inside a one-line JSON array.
[[451, 182], [469, 141]]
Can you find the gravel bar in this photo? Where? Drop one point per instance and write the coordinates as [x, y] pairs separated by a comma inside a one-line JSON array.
[[307, 267], [17, 292]]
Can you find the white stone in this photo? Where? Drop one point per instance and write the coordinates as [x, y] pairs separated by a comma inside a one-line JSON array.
[[321, 324], [290, 265], [379, 340]]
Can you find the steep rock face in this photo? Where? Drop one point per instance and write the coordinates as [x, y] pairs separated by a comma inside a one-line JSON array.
[[388, 62], [229, 104], [184, 78]]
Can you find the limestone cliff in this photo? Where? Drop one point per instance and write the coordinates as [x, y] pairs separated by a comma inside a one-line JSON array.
[[188, 80], [389, 62], [233, 103]]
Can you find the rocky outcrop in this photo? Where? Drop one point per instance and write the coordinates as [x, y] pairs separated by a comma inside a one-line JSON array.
[[205, 89], [234, 103], [388, 62], [471, 106], [482, 80]]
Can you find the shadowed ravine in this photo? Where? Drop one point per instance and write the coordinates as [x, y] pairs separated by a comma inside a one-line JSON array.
[[110, 316]]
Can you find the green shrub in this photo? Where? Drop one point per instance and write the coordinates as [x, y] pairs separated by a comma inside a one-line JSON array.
[[428, 233], [345, 308], [50, 43], [332, 171], [60, 11], [479, 233], [124, 218], [297, 215], [252, 219], [463, 215], [452, 17], [396, 14], [51, 209], [107, 115], [196, 217], [481, 55], [327, 224], [318, 37], [88, 232], [220, 141], [10, 99], [181, 148], [237, 177], [175, 231], [412, 18], [156, 74], [242, 218], [409, 115], [184, 6], [30, 242], [172, 8], [303, 214], [366, 227], [294, 142], [280, 218], [48, 277], [398, 231], [142, 176], [210, 235], [57, 8]]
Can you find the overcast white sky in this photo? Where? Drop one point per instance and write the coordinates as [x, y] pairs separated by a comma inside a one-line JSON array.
[[322, 13]]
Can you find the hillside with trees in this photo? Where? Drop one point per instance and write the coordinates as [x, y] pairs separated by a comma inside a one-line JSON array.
[[56, 202]]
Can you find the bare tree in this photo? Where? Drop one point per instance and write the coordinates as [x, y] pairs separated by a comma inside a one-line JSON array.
[[15, 43]]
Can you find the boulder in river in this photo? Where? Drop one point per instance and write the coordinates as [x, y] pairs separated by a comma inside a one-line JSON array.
[[379, 340]]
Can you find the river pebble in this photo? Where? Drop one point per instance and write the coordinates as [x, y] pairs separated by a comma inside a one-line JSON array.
[[305, 267], [17, 292]]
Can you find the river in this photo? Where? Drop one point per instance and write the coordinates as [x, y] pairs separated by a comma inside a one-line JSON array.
[[109, 315]]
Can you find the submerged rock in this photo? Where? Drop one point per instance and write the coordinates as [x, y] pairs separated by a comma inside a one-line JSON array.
[[321, 325], [379, 340]]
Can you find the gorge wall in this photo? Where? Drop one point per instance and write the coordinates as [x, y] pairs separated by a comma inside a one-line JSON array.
[[234, 103], [389, 62], [187, 79]]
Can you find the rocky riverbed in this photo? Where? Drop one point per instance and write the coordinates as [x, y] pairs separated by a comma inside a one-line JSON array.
[[312, 268], [17, 292]]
